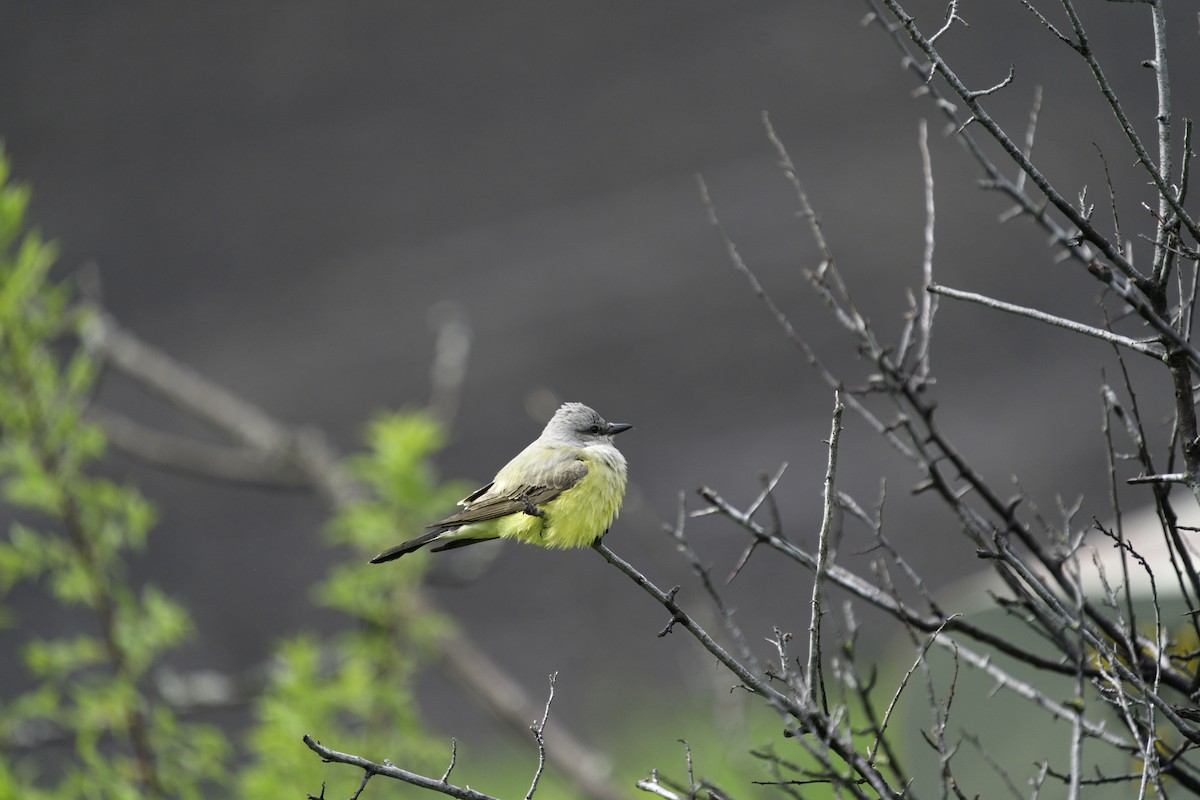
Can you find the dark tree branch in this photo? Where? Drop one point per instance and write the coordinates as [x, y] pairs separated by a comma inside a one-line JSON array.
[[371, 768], [799, 709]]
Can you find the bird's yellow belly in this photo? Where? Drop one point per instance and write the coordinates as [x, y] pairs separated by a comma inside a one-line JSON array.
[[576, 518]]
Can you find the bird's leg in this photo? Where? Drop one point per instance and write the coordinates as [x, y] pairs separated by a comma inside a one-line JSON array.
[[530, 508]]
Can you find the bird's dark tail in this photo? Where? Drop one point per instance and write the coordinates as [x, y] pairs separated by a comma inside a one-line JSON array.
[[393, 553]]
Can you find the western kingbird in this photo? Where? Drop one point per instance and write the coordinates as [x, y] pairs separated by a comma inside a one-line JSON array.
[[563, 490]]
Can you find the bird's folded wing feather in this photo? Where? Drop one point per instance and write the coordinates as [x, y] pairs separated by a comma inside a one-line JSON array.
[[488, 503]]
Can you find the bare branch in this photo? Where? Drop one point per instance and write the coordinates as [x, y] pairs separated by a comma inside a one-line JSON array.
[[241, 465], [1012, 72], [290, 450], [881, 729], [1112, 197], [1011, 149], [1030, 133], [1173, 477], [389, 771], [929, 300], [501, 695], [652, 786], [951, 16], [539, 733], [1145, 348], [453, 760], [1160, 174], [1049, 26], [703, 574], [741, 267], [811, 722], [865, 590], [182, 386], [813, 673]]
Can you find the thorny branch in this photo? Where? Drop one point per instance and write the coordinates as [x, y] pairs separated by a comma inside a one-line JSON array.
[[797, 708], [1091, 638], [812, 675], [1142, 293], [371, 768], [539, 733]]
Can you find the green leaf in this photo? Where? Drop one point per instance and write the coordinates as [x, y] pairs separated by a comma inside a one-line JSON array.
[[149, 626], [60, 658], [23, 556]]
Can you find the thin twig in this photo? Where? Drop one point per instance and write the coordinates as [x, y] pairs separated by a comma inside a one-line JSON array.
[[767, 495], [817, 725], [539, 733], [390, 771], [1153, 350], [453, 760], [977, 93], [929, 299], [813, 674], [691, 772], [676, 532]]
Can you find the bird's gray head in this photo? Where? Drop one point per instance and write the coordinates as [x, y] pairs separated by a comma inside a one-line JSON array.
[[578, 424]]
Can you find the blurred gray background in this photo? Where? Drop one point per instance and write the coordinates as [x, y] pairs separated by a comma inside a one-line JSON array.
[[280, 195]]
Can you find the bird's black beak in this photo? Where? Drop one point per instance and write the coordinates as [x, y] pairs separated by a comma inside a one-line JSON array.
[[616, 427]]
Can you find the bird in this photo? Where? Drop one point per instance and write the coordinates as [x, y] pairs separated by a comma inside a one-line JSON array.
[[562, 491]]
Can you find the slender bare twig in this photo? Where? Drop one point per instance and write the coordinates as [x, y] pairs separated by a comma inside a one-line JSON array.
[[977, 93], [652, 786], [740, 265], [1160, 173], [929, 299], [1030, 133], [676, 532], [539, 733], [508, 701], [996, 766], [769, 484], [453, 760], [389, 771], [1170, 477], [1078, 701], [1152, 349], [816, 724], [691, 772], [182, 386], [881, 730], [1135, 287], [938, 65], [241, 465], [813, 673], [951, 17], [361, 786]]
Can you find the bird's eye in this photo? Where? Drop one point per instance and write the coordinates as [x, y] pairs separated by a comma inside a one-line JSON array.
[[594, 429]]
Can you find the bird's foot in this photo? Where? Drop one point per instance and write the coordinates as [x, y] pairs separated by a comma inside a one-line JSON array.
[[531, 509]]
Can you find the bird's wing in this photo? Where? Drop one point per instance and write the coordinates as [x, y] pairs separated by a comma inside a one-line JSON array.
[[492, 502], [475, 495]]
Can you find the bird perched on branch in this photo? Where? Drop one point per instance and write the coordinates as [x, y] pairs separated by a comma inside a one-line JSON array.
[[563, 490]]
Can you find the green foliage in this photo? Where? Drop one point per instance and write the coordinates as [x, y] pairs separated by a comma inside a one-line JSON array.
[[71, 534], [356, 689]]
